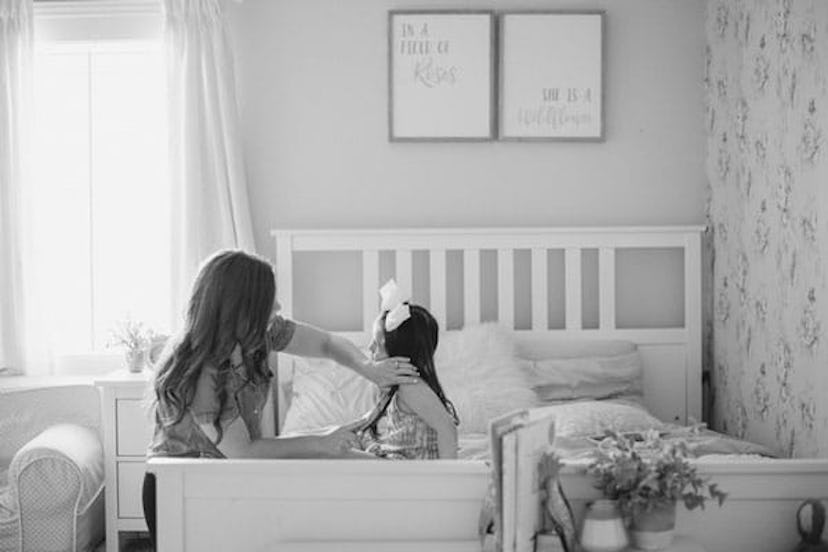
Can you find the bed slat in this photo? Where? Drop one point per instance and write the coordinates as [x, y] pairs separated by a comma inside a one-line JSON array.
[[506, 287], [471, 286], [370, 288], [540, 289], [693, 323], [404, 271], [284, 274], [606, 288], [573, 288], [437, 285]]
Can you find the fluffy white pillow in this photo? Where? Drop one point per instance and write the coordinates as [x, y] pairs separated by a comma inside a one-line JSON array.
[[593, 418], [564, 379], [481, 375], [324, 394]]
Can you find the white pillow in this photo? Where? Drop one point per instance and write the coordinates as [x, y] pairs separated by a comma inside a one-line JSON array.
[[593, 418], [562, 379], [324, 394], [481, 375]]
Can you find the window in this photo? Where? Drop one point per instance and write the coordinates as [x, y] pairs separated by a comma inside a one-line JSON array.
[[101, 226]]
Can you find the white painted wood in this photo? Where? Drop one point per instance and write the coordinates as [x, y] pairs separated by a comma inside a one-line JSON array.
[[540, 289], [404, 260], [284, 273], [432, 504], [370, 288], [471, 287], [171, 496], [122, 395], [506, 288], [132, 430], [437, 285], [606, 288], [693, 323], [130, 480], [539, 240], [572, 271], [488, 238]]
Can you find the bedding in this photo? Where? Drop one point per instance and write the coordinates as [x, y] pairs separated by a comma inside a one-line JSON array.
[[589, 386], [477, 366], [590, 377], [323, 393], [581, 425], [482, 375]]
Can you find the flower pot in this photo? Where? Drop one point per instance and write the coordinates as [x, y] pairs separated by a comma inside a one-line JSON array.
[[136, 360], [603, 528], [654, 529]]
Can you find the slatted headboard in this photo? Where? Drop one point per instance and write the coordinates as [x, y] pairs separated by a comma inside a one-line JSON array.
[[671, 355]]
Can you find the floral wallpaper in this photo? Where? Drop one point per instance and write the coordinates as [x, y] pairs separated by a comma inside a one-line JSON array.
[[766, 77]]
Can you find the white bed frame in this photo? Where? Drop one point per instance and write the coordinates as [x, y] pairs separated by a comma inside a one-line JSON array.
[[409, 505]]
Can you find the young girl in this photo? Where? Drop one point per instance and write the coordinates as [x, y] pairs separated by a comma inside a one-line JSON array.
[[213, 378], [413, 421]]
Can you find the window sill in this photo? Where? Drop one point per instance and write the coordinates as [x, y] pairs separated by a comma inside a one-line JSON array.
[[8, 383], [69, 369]]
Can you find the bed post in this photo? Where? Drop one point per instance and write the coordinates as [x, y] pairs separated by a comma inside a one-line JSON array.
[[693, 323]]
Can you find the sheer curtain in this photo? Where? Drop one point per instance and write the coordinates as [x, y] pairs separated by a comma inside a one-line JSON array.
[[16, 31], [210, 204]]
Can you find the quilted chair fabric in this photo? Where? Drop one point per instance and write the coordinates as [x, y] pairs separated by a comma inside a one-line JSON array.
[[52, 494]]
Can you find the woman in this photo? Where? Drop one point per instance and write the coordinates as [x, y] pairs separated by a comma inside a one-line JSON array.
[[213, 379]]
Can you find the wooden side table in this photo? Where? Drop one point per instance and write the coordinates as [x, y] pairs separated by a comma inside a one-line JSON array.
[[127, 430]]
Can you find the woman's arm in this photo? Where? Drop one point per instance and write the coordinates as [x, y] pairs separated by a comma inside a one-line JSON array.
[[312, 342], [236, 443], [421, 400]]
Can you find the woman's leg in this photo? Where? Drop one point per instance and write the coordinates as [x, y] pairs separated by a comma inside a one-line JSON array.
[[148, 496]]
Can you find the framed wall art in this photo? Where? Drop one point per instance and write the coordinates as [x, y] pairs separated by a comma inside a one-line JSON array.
[[551, 76], [441, 82]]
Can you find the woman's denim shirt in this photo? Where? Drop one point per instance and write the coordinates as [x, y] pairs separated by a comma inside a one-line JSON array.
[[245, 399]]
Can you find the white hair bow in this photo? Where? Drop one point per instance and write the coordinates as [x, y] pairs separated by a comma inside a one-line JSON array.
[[394, 302]]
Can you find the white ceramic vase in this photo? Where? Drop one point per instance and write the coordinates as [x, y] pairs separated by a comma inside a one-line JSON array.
[[136, 360], [603, 528]]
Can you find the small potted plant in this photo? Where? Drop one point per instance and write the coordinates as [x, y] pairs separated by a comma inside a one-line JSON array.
[[648, 476], [136, 339]]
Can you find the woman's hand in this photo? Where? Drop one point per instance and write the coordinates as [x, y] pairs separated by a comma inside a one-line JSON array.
[[338, 441], [391, 371]]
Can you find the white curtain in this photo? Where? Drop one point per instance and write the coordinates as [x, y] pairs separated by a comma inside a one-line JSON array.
[[15, 70], [210, 205]]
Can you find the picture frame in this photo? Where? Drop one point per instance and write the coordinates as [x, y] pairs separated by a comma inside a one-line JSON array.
[[441, 75], [551, 76]]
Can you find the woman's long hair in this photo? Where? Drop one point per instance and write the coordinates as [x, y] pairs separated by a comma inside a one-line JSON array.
[[231, 303], [416, 338]]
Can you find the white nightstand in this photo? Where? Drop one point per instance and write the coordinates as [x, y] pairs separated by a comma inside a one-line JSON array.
[[127, 430]]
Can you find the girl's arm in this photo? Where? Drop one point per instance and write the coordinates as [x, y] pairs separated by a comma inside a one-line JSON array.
[[421, 400], [236, 443], [313, 342]]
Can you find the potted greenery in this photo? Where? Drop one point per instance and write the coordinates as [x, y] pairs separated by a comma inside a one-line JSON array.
[[136, 338], [648, 476]]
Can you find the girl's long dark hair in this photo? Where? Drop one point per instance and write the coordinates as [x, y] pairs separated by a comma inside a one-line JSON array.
[[230, 305], [416, 338]]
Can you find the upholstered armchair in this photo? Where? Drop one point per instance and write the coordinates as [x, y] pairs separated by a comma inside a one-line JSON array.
[[51, 469]]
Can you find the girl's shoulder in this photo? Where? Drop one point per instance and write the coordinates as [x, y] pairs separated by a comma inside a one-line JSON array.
[[414, 397]]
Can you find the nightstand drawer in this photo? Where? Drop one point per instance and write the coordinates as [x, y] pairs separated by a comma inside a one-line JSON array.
[[133, 427], [130, 481]]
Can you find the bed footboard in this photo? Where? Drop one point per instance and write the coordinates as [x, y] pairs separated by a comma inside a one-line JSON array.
[[364, 505], [306, 505]]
